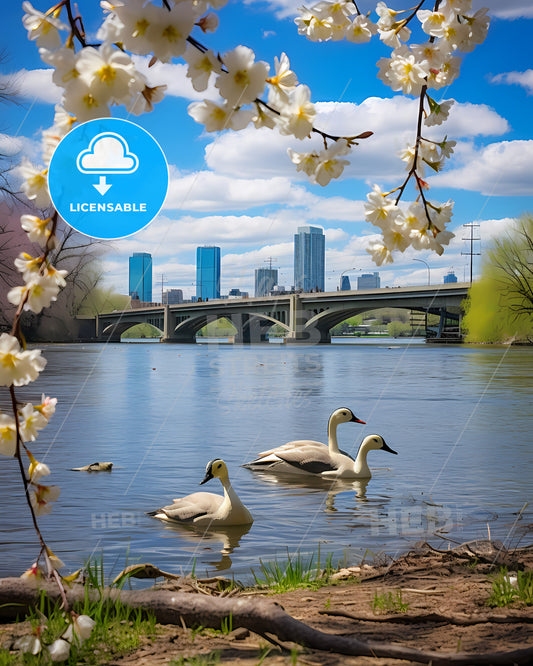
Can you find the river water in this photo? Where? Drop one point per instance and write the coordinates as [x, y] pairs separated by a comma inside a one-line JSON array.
[[460, 418]]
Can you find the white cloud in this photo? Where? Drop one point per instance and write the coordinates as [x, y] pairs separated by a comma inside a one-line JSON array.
[[208, 191], [510, 9], [504, 169], [263, 153], [524, 79], [34, 84]]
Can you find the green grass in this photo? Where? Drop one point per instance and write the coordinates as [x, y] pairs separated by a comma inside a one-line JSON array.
[[389, 603], [118, 630], [295, 572], [505, 593]]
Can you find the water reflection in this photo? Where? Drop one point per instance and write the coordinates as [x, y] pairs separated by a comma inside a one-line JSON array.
[[223, 540]]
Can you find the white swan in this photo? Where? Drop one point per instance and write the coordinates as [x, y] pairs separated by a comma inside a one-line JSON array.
[[207, 509], [316, 458], [310, 457]]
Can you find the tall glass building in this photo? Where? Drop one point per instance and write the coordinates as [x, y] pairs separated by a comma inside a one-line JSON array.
[[140, 274], [265, 280], [369, 281], [207, 272], [309, 259]]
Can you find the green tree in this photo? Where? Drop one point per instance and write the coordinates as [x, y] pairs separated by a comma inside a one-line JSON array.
[[500, 304]]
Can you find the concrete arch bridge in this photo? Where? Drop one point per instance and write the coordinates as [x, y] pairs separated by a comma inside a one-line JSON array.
[[306, 318]]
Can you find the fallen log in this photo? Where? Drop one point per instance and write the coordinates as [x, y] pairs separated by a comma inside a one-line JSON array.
[[258, 615]]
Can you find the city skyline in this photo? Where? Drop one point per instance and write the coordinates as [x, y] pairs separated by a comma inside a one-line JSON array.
[[140, 277]]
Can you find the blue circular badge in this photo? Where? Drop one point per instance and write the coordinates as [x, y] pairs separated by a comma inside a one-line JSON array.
[[108, 178]]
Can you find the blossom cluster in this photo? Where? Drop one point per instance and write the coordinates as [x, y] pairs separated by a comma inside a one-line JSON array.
[[450, 28], [79, 630]]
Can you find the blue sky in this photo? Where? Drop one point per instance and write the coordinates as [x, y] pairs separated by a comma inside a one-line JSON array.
[[240, 191]]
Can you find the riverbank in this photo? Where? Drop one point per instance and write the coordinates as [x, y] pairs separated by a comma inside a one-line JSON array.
[[429, 600]]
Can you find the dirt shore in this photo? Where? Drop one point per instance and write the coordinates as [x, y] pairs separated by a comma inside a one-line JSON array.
[[453, 584], [446, 611]]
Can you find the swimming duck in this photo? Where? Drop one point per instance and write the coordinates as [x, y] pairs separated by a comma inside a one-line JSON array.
[[310, 457], [206, 509], [94, 467]]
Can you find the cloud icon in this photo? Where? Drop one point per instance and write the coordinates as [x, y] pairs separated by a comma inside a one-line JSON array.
[[107, 153]]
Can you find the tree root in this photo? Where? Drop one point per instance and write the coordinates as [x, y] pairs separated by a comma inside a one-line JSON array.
[[459, 620], [258, 615]]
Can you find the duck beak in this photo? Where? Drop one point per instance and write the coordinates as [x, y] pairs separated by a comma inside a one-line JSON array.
[[386, 447], [207, 477], [354, 419]]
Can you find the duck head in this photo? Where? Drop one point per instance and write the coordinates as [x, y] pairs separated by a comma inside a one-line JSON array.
[[345, 415], [376, 442], [215, 468]]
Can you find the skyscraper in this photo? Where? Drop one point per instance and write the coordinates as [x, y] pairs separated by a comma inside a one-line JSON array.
[[309, 259], [207, 272], [140, 274], [265, 280], [369, 281]]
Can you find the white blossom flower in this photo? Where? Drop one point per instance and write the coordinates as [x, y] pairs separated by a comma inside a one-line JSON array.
[[54, 561], [28, 644], [478, 26], [442, 238], [402, 71], [36, 294], [283, 81], [47, 406], [360, 29], [42, 28], [217, 117], [435, 23], [36, 470], [38, 230], [80, 629], [387, 16], [81, 100], [167, 32], [441, 214], [34, 184], [32, 575], [329, 165], [27, 265], [438, 112], [298, 115], [31, 421], [59, 650], [306, 162], [245, 79], [446, 74], [415, 217], [143, 102], [379, 210], [380, 254], [395, 36], [109, 73], [8, 435], [63, 61], [208, 23], [314, 27], [41, 498], [201, 66], [396, 235], [18, 367], [263, 118]]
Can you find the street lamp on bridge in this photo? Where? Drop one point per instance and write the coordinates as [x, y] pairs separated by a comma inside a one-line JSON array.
[[346, 271], [427, 266]]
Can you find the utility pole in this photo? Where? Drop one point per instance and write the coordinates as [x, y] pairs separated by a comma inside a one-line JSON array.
[[269, 261], [471, 240]]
